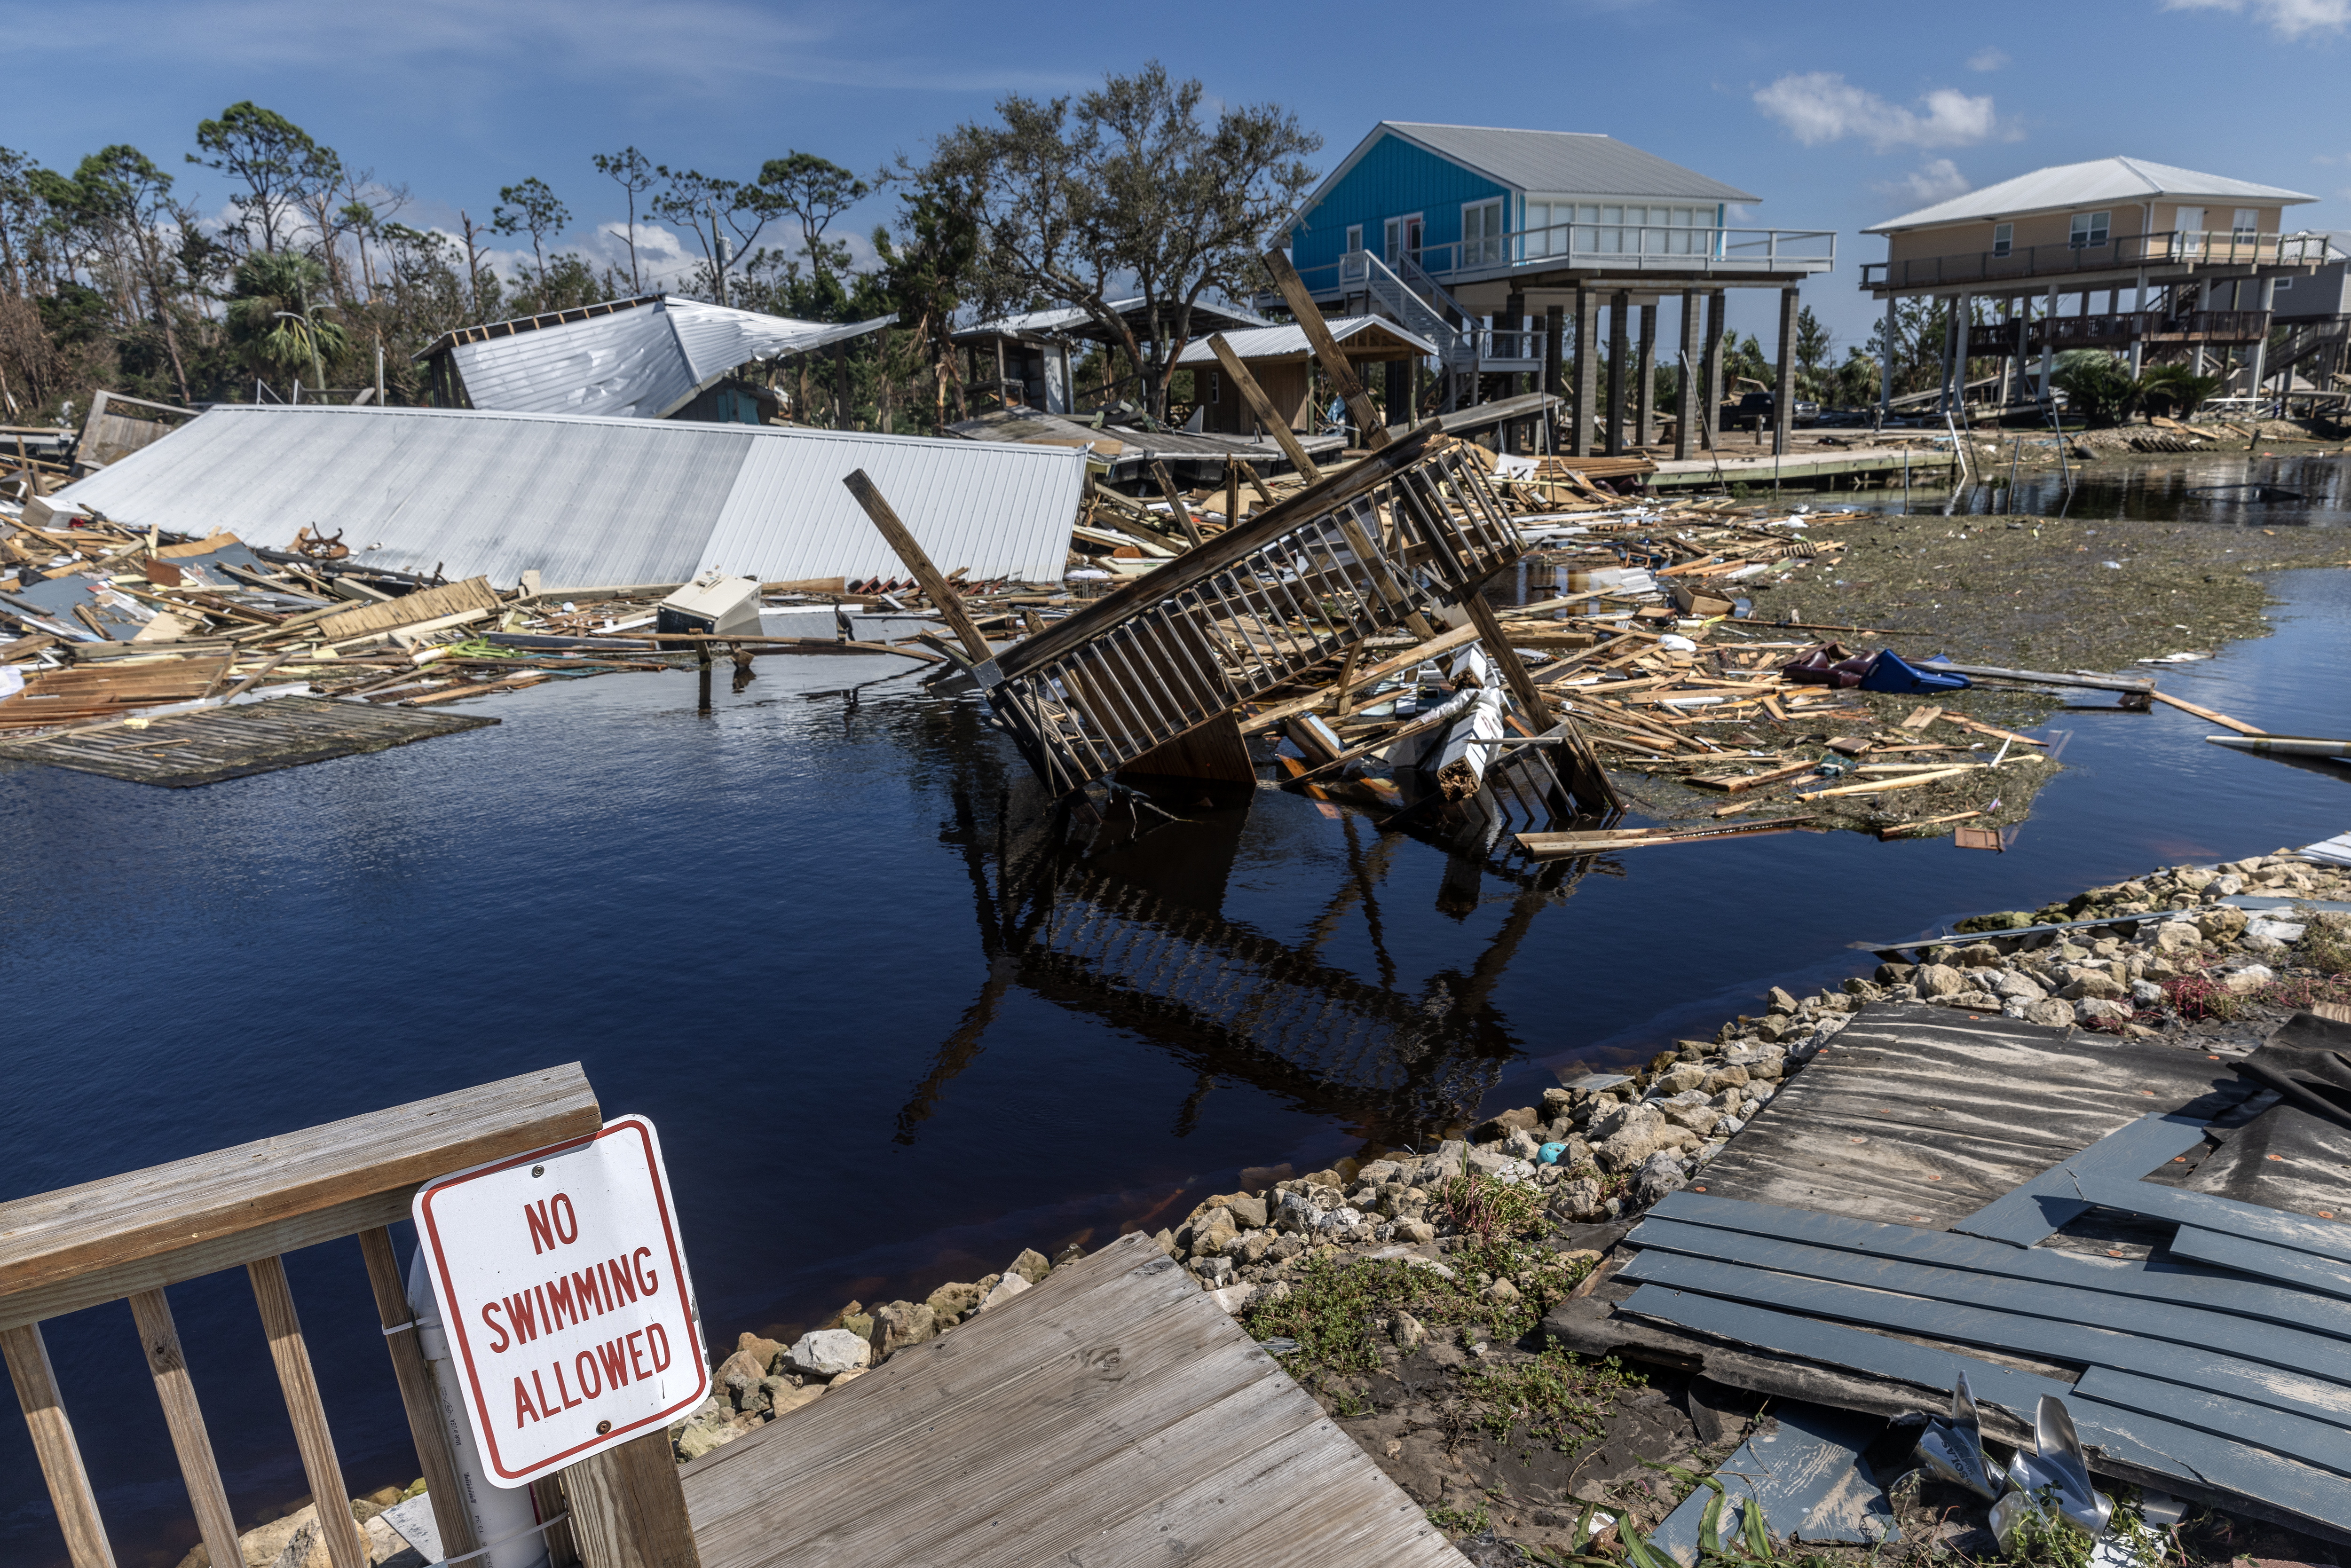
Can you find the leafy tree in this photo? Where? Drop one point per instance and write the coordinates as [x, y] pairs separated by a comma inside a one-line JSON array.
[[1129, 189], [123, 201], [2174, 389], [633, 173], [535, 211], [927, 273], [275, 315], [1813, 341], [280, 166], [693, 199], [816, 191]]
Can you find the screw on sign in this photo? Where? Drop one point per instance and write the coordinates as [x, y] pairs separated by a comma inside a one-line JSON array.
[[565, 1298]]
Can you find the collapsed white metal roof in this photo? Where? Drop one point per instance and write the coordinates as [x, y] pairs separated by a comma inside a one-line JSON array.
[[1289, 342], [640, 360], [592, 502], [2086, 184]]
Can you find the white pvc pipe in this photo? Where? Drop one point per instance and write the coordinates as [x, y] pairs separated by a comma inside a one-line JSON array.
[[498, 1511]]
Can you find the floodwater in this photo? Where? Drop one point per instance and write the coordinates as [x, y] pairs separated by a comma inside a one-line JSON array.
[[892, 1028], [2261, 488]]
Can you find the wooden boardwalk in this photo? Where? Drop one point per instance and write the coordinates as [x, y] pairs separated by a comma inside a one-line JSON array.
[[1113, 1415], [205, 745], [1810, 468]]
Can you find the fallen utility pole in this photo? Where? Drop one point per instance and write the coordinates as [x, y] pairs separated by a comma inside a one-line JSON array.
[[935, 583]]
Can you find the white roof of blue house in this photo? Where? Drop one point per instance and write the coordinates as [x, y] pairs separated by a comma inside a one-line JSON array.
[[1566, 162]]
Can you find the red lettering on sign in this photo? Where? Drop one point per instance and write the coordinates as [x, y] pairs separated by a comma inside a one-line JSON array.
[[525, 1318], [546, 1313], [560, 1303], [647, 1280], [589, 1287], [569, 1403], [542, 1230], [636, 1357], [567, 1223], [495, 1327], [615, 1355], [523, 1406], [617, 1280], [657, 1337], [544, 1402], [584, 1363]]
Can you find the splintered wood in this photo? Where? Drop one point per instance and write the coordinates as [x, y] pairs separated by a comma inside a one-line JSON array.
[[207, 745]]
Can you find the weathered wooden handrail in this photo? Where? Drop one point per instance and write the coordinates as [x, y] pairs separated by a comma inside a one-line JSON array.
[[132, 1235]]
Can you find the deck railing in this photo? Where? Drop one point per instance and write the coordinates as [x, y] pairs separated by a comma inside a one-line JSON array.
[[135, 1235], [2117, 330], [2179, 247]]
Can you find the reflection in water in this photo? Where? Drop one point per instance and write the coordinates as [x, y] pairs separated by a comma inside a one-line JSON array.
[[2239, 489], [1126, 926]]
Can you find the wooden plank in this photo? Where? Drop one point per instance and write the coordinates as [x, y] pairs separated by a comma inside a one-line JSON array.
[[1184, 518], [2204, 713], [2303, 1271], [2038, 1209], [901, 540], [628, 1510], [1106, 1415], [1920, 1114], [2322, 1237], [345, 1546], [425, 604], [54, 1236], [1261, 406], [2165, 1281], [418, 1396], [2022, 1333], [160, 1338], [2147, 1447], [27, 1354], [1369, 675], [1336, 363], [2138, 1321]]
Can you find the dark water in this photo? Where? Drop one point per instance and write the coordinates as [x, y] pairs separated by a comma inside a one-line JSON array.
[[892, 1032], [2233, 488]]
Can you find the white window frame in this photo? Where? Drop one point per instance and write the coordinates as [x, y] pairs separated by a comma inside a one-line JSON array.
[[2089, 231], [2003, 239], [1393, 235], [1354, 238], [1489, 242]]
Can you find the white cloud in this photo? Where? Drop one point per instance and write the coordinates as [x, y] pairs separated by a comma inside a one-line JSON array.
[[1987, 60], [1822, 106], [1936, 180], [2286, 18]]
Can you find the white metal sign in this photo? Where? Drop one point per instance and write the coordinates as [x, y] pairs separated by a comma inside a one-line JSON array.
[[564, 1294]]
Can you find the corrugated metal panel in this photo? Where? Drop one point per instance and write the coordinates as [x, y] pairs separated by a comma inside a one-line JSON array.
[[645, 363], [627, 365], [1271, 342], [2081, 184], [587, 501], [1000, 510]]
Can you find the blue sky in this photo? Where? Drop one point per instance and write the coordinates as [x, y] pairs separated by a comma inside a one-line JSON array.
[[1837, 114]]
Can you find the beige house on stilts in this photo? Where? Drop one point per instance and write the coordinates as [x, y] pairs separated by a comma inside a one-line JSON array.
[[2187, 265]]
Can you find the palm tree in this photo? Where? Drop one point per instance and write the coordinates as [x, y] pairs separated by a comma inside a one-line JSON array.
[[272, 320]]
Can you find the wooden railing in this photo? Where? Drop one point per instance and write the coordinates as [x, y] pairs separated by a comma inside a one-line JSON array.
[[1989, 339], [133, 1235]]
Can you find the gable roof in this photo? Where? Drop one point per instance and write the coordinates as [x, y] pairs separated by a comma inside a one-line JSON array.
[[634, 359], [1569, 162], [2080, 184], [1289, 342], [1072, 321]]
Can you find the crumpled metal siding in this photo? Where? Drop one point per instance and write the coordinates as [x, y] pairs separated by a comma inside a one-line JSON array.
[[627, 365], [999, 509], [645, 363], [589, 502]]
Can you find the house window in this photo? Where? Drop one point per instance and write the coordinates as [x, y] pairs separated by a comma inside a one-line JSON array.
[[1539, 238], [1481, 234], [2004, 238], [1354, 238], [1215, 386], [1587, 237], [2090, 229], [2246, 226]]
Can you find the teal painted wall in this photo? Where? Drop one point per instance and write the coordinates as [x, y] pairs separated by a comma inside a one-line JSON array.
[[1393, 180]]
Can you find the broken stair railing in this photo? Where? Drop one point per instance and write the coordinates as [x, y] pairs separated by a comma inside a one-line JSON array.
[[1253, 609]]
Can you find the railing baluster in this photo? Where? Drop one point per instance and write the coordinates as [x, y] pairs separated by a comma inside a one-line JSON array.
[[160, 1340], [450, 1515], [284, 1327], [53, 1444]]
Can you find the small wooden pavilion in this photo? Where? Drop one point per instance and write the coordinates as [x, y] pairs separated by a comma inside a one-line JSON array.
[[1283, 363]]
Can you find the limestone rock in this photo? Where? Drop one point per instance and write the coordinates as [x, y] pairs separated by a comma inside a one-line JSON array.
[[1407, 1331], [2089, 984], [2146, 994], [1698, 1119], [1723, 1078], [2091, 1008], [2252, 977], [1501, 1292], [740, 1374], [1779, 1001], [2221, 923], [902, 1324], [1011, 1285], [1662, 1174], [789, 1399], [2048, 1011], [1938, 980], [1526, 1119], [829, 1352], [2017, 985], [1578, 1198], [1032, 1265], [1248, 1209]]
